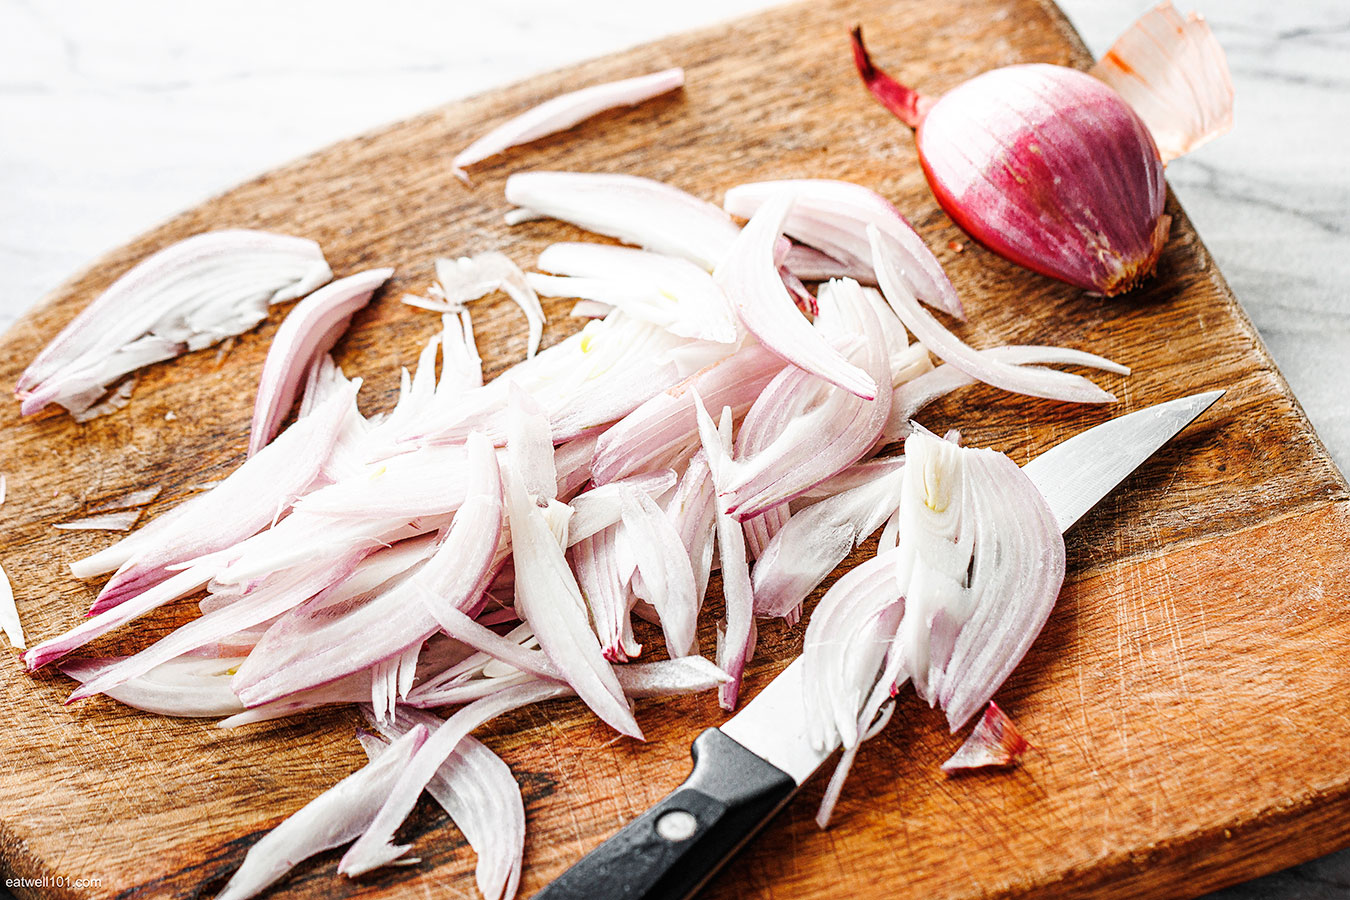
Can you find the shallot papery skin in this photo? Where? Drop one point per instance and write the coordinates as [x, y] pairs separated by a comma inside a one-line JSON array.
[[1046, 166], [1174, 73], [994, 743], [562, 112], [187, 296], [308, 332]]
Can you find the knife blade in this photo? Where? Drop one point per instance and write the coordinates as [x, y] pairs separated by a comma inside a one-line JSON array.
[[751, 766]]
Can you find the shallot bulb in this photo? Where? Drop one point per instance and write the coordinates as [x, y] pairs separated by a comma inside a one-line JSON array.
[[1051, 167]]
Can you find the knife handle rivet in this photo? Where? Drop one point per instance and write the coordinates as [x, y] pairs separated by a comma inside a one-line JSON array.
[[676, 825]]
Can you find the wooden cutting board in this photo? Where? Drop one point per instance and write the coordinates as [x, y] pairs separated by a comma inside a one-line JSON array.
[[1186, 703]]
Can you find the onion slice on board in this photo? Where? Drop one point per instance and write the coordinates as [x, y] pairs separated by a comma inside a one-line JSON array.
[[564, 111], [1033, 381], [635, 210], [331, 819], [307, 333], [833, 216], [9, 614], [187, 296], [479, 793], [750, 278]]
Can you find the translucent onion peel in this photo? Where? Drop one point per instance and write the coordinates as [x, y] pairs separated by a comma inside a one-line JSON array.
[[308, 332], [187, 296], [562, 112], [1053, 169], [994, 743], [1175, 75]]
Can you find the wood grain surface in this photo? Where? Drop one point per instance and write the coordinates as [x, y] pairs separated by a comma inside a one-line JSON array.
[[1186, 703]]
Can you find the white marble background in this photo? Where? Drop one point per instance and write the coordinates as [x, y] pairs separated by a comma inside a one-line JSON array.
[[114, 116]]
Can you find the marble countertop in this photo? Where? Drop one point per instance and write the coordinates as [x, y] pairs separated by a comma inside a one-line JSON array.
[[117, 116]]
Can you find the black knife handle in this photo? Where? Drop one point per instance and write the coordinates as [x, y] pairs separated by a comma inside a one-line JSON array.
[[669, 851]]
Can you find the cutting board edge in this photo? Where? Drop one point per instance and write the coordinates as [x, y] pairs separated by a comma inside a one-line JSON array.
[[1282, 816]]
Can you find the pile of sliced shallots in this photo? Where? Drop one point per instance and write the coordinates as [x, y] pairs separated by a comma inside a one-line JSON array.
[[486, 546]]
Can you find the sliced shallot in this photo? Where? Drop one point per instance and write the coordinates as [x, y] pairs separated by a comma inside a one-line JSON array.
[[750, 278], [308, 332], [562, 112], [635, 210], [1033, 381], [187, 296], [331, 819]]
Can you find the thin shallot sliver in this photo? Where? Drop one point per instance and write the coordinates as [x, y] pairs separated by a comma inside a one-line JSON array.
[[635, 210], [330, 820], [1030, 380], [995, 742], [308, 332], [9, 614], [752, 282], [471, 277], [187, 296], [563, 112]]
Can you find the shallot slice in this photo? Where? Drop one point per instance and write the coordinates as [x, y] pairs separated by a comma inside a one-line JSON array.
[[562, 112], [375, 847], [665, 568], [9, 614], [1033, 381], [471, 277], [547, 596], [818, 538], [776, 455], [666, 423], [693, 511], [243, 504], [187, 296], [736, 635], [668, 291], [635, 210], [188, 687], [981, 562], [308, 332], [606, 589], [833, 216], [750, 278], [995, 742], [479, 793], [912, 396], [1175, 75], [331, 819]]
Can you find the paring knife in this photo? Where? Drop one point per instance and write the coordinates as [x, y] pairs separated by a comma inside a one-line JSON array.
[[748, 769]]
